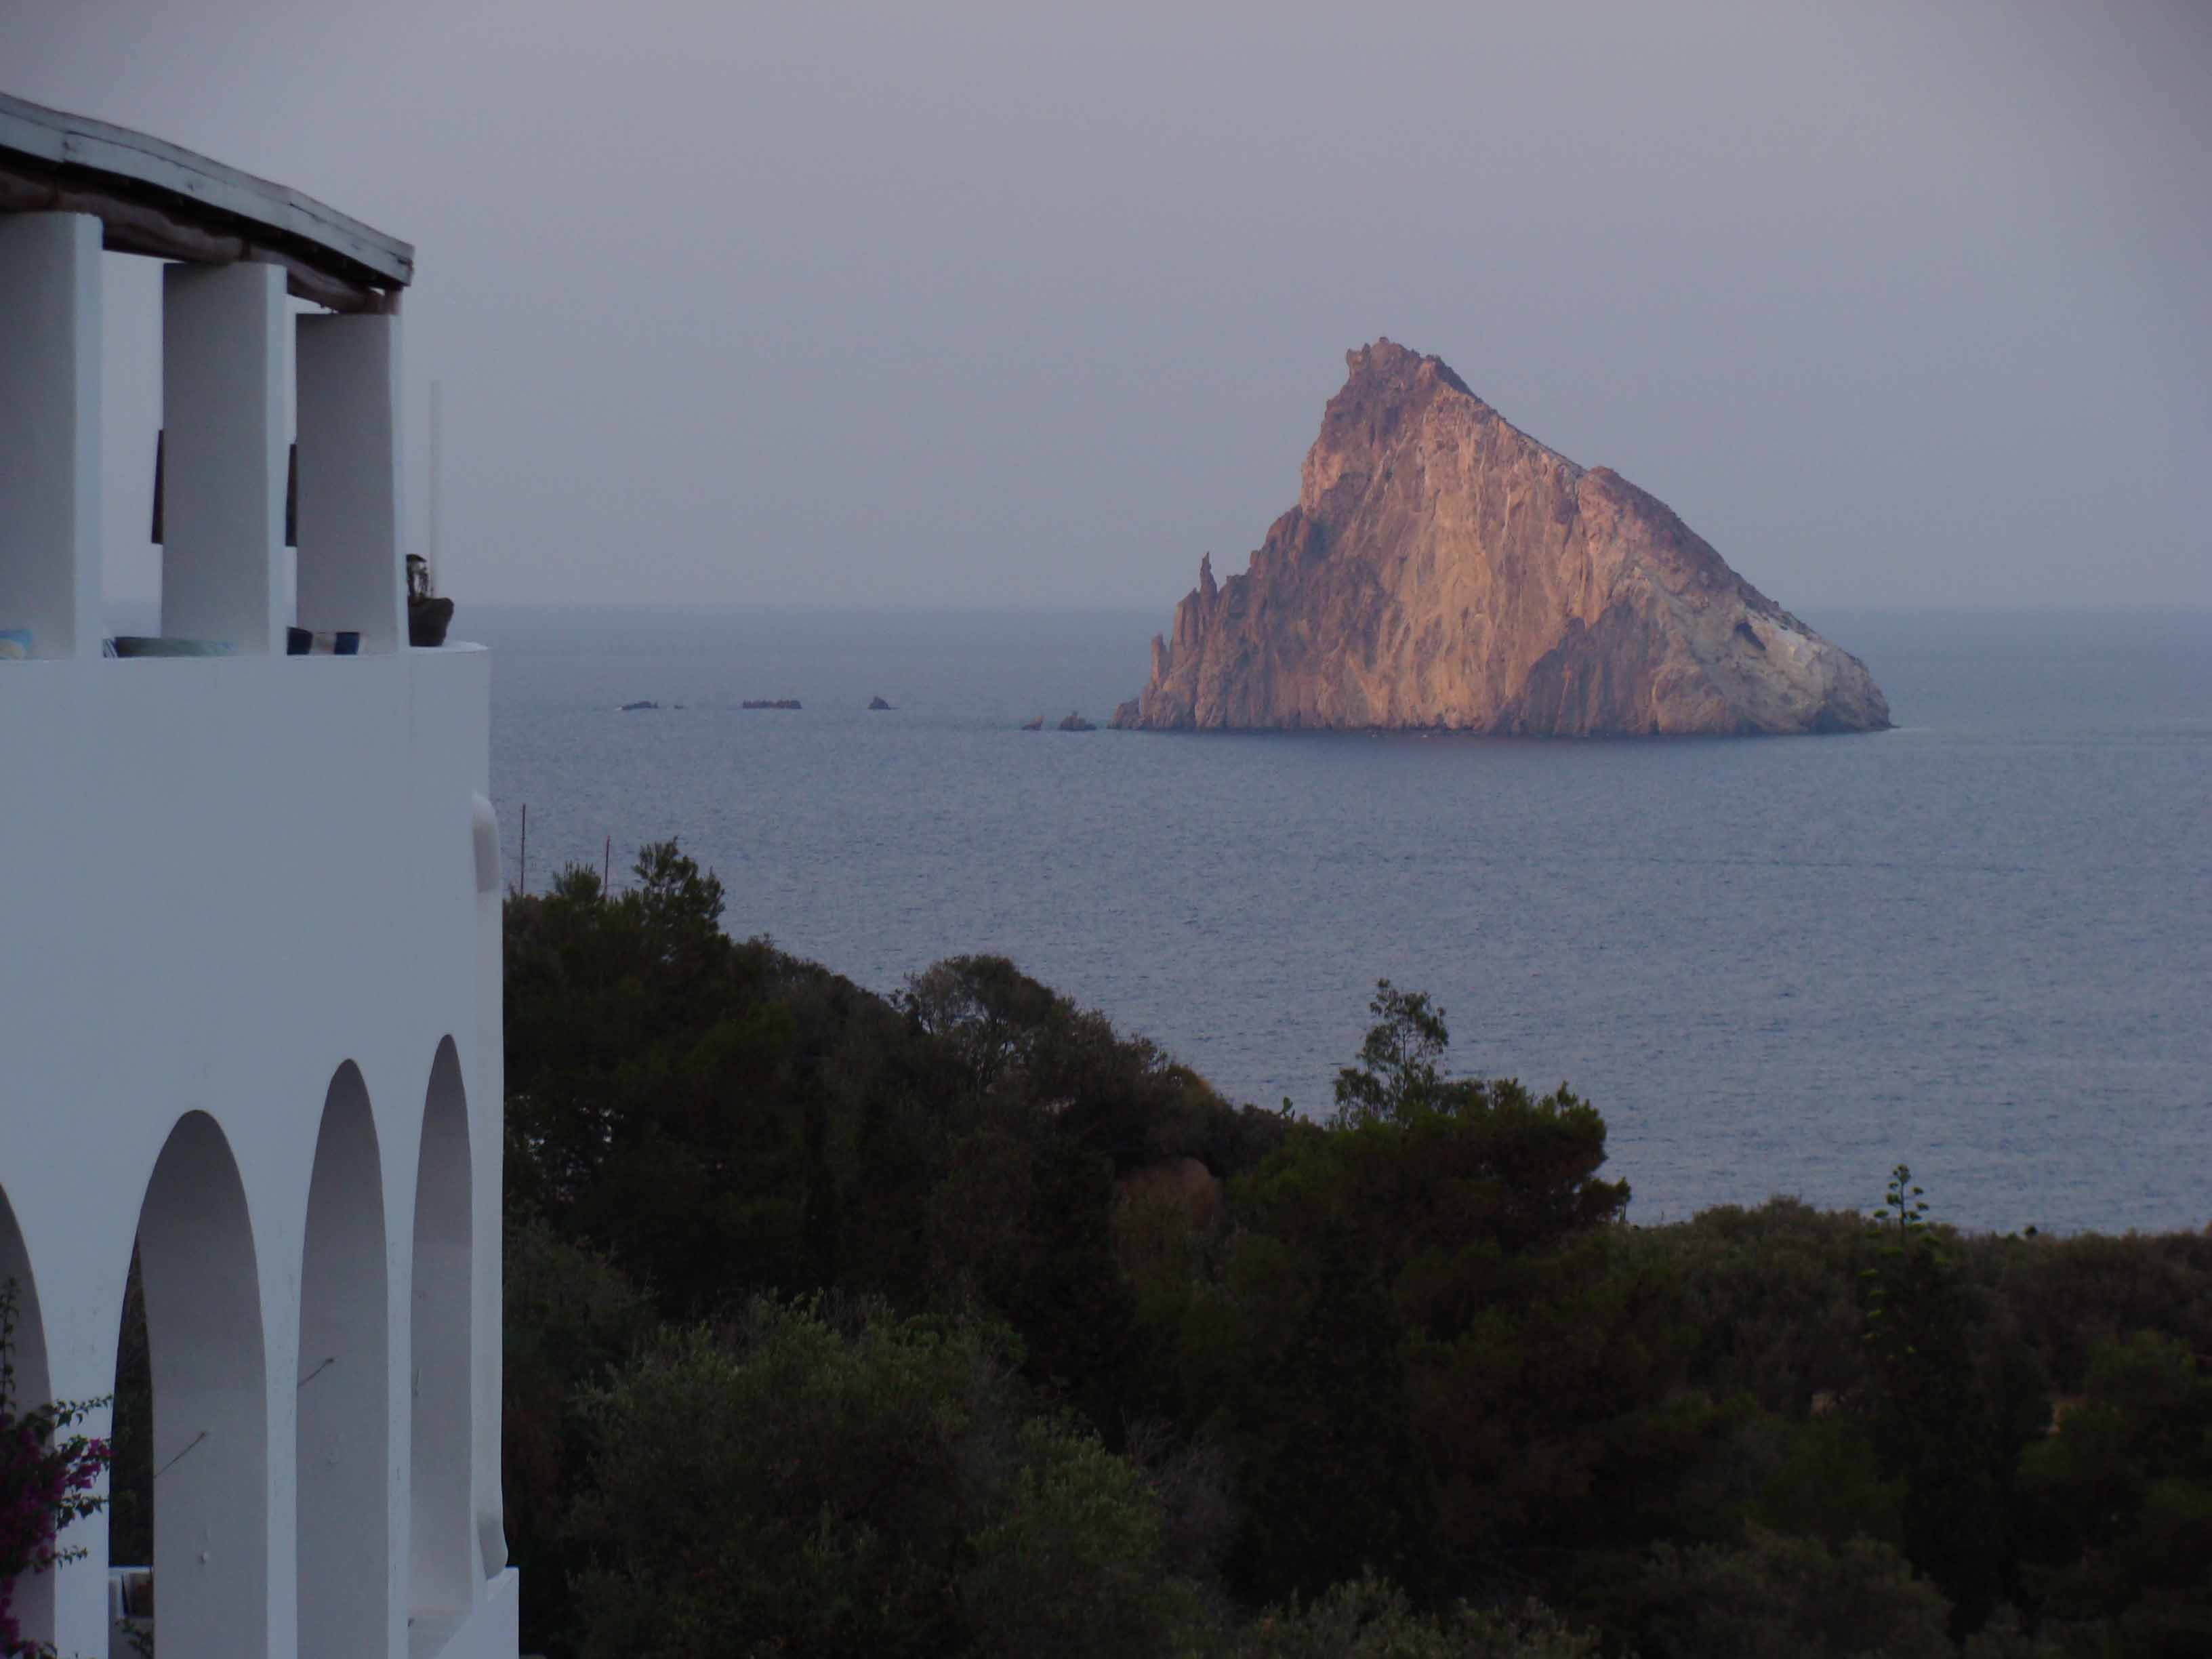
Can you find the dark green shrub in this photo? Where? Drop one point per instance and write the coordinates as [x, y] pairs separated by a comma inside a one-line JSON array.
[[2068, 1296], [1776, 1597], [1373, 1619], [571, 1320], [1070, 1562], [2118, 1502], [852, 1483], [1771, 1294]]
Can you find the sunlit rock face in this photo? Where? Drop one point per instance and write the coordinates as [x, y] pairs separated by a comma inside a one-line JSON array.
[[1443, 569]]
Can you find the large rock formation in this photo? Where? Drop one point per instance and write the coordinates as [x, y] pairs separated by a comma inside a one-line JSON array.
[[1442, 569]]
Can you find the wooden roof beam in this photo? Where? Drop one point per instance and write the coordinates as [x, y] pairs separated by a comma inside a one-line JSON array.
[[139, 227], [155, 198]]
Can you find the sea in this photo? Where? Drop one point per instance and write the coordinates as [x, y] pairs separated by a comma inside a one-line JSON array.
[[1980, 944]]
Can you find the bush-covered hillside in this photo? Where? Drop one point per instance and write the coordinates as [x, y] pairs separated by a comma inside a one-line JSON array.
[[958, 1324]]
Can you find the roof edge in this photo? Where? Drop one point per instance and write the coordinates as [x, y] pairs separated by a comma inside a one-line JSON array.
[[122, 176]]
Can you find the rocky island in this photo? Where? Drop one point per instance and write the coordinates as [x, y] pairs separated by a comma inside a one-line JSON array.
[[1443, 569]]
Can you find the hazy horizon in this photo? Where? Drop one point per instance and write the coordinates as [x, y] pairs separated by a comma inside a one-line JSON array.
[[829, 305], [923, 607]]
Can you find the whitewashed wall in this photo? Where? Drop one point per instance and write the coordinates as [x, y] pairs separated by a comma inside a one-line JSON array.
[[247, 889], [249, 1002]]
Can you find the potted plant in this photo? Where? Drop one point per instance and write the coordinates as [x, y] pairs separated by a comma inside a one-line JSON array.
[[428, 615]]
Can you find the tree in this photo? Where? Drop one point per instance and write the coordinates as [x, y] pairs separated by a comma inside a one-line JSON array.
[[1933, 1422], [1480, 1217], [1398, 1071], [1370, 1617], [1301, 1376], [1775, 1597], [1071, 1561], [694, 1107], [2118, 1502], [836, 1480], [1026, 1052], [572, 1320]]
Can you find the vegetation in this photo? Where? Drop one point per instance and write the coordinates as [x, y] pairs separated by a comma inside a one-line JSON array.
[[50, 1476], [957, 1323]]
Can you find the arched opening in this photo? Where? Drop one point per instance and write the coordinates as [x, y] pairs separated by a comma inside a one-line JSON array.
[[344, 1416], [440, 1558], [32, 1601], [210, 1419]]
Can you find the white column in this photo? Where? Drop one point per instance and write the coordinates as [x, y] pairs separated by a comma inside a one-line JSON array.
[[350, 575], [50, 329], [226, 366]]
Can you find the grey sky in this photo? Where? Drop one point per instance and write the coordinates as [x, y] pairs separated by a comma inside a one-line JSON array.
[[1896, 304]]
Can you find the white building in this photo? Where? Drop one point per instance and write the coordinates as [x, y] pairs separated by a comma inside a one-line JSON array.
[[249, 933]]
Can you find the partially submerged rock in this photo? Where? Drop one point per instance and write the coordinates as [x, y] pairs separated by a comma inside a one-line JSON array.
[[1443, 569]]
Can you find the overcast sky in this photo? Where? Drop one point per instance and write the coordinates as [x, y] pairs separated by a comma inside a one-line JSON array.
[[1895, 304]]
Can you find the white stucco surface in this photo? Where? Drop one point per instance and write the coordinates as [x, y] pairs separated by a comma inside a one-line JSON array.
[[249, 1002], [230, 886], [349, 497], [226, 359], [50, 431]]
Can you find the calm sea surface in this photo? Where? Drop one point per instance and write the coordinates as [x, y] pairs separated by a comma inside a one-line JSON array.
[[1981, 943]]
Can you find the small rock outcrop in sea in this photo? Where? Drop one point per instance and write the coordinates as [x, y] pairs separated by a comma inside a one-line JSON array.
[[770, 703], [876, 704], [1443, 569], [1077, 723]]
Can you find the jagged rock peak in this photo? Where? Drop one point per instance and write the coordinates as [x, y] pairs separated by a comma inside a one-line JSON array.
[[1442, 568]]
